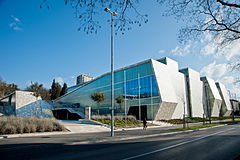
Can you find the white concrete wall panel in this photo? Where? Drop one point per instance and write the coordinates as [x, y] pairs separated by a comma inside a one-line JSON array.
[[214, 89], [175, 82], [216, 108], [217, 101], [178, 81], [24, 98], [172, 65], [196, 93], [167, 93], [179, 86], [225, 98], [164, 82], [166, 110]]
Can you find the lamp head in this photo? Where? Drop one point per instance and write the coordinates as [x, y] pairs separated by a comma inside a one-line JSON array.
[[114, 13], [107, 10]]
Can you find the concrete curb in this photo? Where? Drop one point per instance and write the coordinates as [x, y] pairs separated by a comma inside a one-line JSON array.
[[1, 137], [104, 125], [34, 134]]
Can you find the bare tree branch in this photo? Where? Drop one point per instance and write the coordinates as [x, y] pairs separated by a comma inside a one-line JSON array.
[[229, 4], [200, 16], [88, 11]]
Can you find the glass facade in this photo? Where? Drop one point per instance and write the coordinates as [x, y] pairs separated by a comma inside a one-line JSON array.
[[136, 85], [73, 88]]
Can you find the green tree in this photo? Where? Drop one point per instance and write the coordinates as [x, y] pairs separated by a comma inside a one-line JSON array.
[[39, 90], [55, 90], [98, 97], [119, 100], [64, 89]]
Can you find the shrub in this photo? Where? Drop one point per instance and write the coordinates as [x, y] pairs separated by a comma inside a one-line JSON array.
[[19, 126], [172, 121], [9, 129], [131, 121], [48, 126], [57, 126], [12, 125], [108, 117]]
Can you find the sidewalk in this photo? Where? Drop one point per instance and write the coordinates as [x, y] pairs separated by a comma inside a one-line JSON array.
[[83, 126]]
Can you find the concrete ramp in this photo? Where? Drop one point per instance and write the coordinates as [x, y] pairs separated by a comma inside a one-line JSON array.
[[84, 126]]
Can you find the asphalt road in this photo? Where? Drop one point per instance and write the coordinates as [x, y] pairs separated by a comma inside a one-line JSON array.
[[215, 143]]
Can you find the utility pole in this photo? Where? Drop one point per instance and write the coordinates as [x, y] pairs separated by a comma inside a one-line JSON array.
[[139, 99], [125, 101], [112, 68]]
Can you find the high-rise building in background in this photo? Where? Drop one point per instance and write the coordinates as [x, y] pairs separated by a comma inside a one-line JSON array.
[[83, 78]]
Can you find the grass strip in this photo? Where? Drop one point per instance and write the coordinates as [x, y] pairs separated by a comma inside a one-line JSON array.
[[204, 126]]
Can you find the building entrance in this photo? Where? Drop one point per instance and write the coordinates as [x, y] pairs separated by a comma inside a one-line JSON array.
[[64, 114], [134, 110]]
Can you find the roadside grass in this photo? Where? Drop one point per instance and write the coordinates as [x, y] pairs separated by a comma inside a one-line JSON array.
[[197, 119], [122, 124], [19, 125], [204, 126], [119, 121]]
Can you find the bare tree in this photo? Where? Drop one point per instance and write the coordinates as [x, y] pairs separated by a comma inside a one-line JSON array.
[[88, 12], [6, 88], [219, 17]]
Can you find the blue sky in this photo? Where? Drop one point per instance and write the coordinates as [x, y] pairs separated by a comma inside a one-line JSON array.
[[39, 45]]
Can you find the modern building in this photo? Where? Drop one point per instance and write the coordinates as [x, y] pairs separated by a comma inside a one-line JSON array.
[[24, 104], [83, 78], [152, 89]]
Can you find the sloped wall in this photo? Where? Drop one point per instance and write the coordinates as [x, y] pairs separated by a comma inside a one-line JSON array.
[[177, 81], [167, 93], [226, 108], [39, 108], [195, 93]]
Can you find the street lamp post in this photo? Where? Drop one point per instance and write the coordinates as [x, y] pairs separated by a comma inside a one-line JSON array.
[[112, 69]]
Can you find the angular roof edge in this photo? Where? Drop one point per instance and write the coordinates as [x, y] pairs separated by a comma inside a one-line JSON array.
[[117, 70]]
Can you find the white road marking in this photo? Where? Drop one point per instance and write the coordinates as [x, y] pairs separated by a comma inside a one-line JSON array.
[[176, 145]]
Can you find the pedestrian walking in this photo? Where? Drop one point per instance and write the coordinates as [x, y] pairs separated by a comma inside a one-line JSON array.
[[144, 124]]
